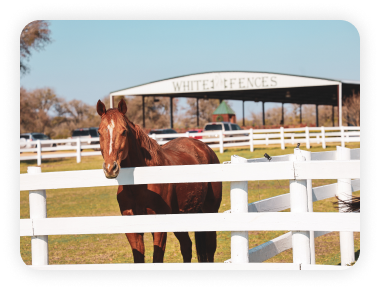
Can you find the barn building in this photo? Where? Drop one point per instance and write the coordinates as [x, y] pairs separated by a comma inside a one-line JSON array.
[[248, 86]]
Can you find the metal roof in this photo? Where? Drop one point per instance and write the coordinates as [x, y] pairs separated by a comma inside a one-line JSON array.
[[247, 86], [223, 108]]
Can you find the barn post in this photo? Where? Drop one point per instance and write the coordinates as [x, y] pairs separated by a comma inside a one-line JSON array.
[[344, 192], [239, 204], [37, 208], [299, 203], [300, 113], [316, 116], [171, 112], [39, 157], [263, 113], [340, 114], [243, 114], [197, 112]]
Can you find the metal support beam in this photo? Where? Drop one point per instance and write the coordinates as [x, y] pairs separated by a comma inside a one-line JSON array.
[[332, 115], [339, 98], [171, 112], [243, 114], [263, 114], [316, 116], [282, 115], [197, 112], [300, 113]]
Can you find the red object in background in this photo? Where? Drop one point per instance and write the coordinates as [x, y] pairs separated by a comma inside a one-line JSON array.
[[196, 131]]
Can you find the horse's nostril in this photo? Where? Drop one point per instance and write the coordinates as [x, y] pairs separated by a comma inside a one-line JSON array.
[[114, 166]]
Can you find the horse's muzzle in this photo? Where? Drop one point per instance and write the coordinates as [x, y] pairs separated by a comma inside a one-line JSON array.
[[111, 170]]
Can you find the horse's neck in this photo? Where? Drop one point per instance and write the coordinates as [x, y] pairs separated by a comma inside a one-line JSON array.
[[143, 155]]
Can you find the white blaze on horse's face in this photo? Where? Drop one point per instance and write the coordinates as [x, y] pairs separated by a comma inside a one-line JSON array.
[[110, 130]]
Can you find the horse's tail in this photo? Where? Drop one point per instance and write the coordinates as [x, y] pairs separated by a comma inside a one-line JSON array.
[[200, 245], [350, 205]]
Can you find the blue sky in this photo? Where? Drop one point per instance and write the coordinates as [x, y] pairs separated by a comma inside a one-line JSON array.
[[89, 59]]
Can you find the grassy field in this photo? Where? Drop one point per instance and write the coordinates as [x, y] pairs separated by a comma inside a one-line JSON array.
[[114, 248]]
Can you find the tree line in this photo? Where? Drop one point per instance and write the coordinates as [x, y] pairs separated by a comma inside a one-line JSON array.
[[42, 111]]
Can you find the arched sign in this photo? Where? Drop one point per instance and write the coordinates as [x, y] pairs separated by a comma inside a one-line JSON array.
[[223, 81]]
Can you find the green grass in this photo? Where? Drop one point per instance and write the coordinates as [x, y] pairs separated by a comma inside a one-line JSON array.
[[114, 248]]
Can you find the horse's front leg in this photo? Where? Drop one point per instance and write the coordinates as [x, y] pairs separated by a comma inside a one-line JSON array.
[[159, 241], [137, 244]]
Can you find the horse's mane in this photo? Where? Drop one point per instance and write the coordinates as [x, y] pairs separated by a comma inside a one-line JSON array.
[[150, 147]]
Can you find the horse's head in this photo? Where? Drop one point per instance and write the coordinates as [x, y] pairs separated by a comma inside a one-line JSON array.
[[113, 132]]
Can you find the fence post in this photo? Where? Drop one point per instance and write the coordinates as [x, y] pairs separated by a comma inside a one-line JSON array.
[[37, 208], [282, 138], [293, 139], [187, 134], [267, 139], [347, 250], [342, 136], [299, 203], [239, 204], [323, 137], [78, 150], [39, 157], [221, 141], [307, 133], [309, 186], [251, 139]]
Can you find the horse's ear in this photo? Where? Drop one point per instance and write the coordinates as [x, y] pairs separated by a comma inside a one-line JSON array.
[[122, 107], [101, 108]]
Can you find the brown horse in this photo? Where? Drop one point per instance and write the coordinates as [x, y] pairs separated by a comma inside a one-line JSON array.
[[124, 144]]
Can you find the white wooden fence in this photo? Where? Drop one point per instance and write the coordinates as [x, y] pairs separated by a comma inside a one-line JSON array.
[[305, 135], [242, 218]]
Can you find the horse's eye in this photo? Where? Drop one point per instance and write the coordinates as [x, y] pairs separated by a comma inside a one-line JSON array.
[[124, 133]]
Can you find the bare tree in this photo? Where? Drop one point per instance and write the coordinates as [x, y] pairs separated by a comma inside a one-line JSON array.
[[35, 35], [351, 109], [36, 108], [157, 110], [206, 108], [27, 110]]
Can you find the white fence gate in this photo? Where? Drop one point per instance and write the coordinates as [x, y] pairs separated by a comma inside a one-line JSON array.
[[243, 217]]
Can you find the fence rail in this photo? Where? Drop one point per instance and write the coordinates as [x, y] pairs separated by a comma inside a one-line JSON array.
[[304, 224], [320, 135]]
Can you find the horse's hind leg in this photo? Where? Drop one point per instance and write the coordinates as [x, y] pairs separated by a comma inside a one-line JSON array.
[[205, 243], [186, 246], [137, 244], [159, 241], [210, 246]]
